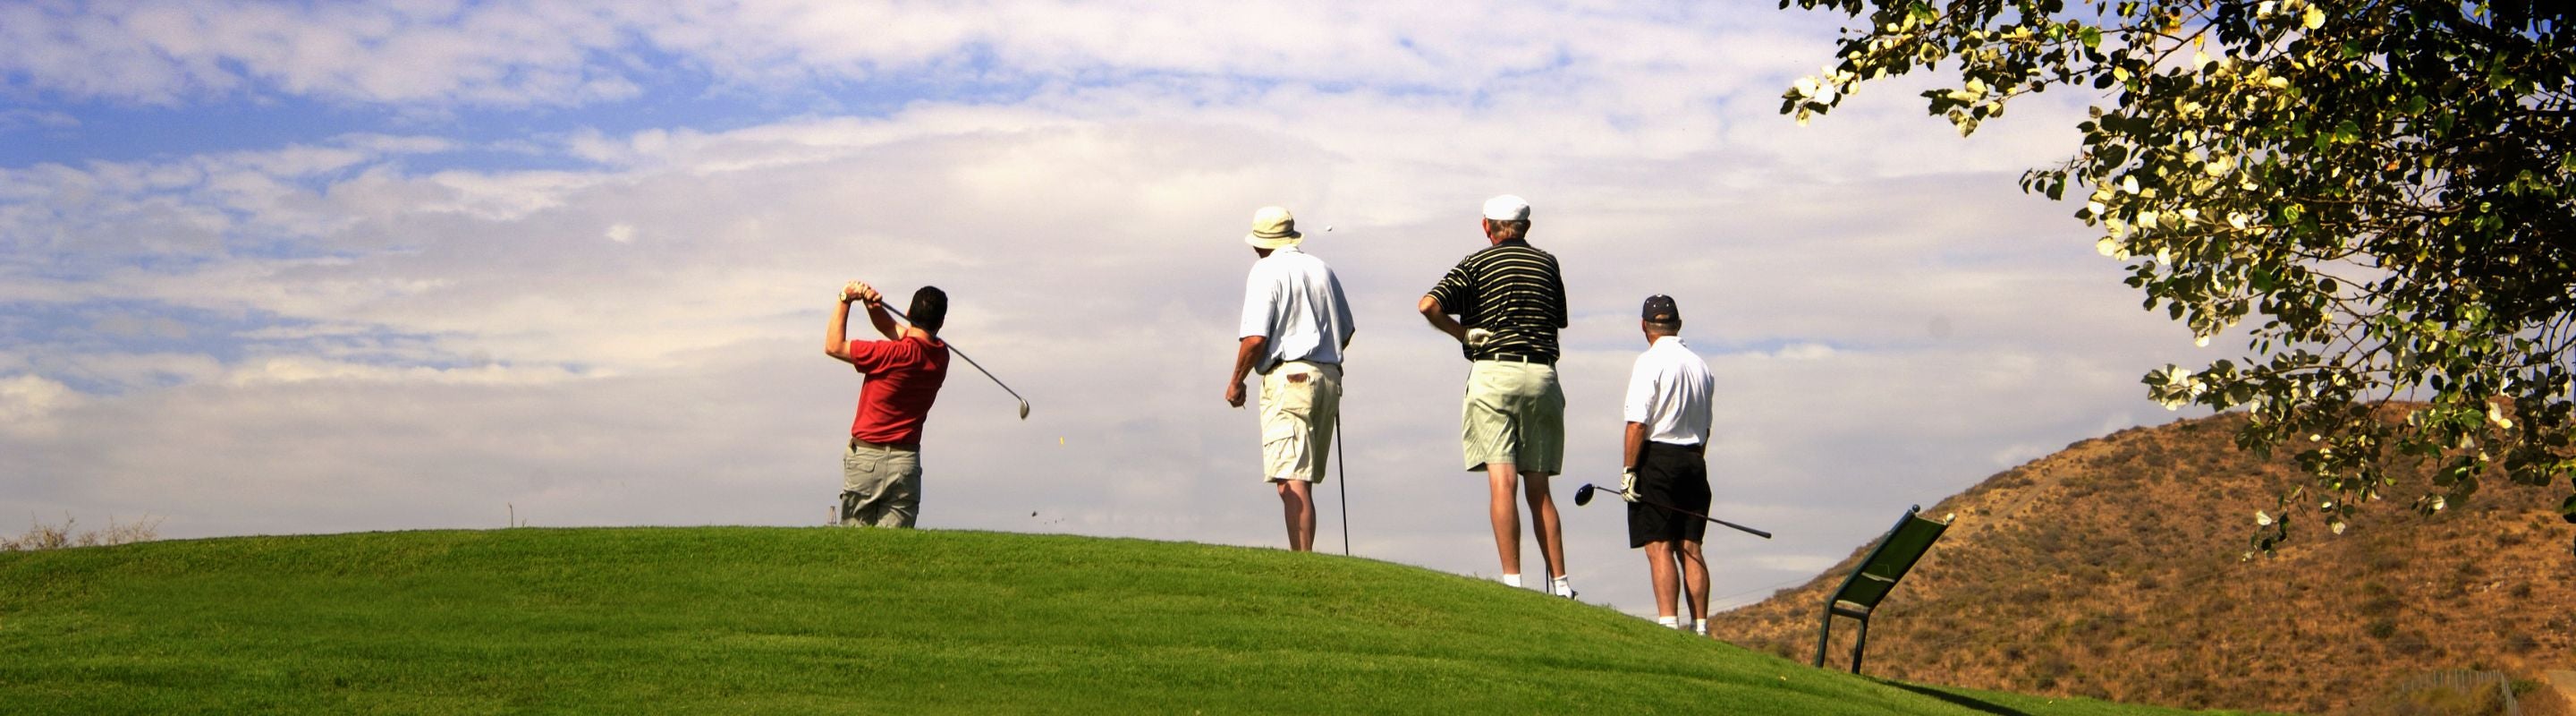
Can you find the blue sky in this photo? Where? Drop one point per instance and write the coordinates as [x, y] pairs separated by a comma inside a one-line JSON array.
[[287, 268]]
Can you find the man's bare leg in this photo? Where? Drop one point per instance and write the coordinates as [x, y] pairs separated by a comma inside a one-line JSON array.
[[1542, 504], [1659, 568], [1297, 504], [1504, 481], [1695, 578]]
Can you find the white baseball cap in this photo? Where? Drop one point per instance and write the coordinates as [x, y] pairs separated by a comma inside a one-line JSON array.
[[1273, 228], [1507, 208]]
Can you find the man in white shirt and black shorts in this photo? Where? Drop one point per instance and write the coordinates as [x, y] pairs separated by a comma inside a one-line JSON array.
[[1295, 324], [1667, 409]]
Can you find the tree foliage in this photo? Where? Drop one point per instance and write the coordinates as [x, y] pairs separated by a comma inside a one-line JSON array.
[[2378, 196]]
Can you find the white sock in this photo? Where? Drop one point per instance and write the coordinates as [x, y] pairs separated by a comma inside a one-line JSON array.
[[1511, 580], [1561, 587], [1701, 626], [1669, 622]]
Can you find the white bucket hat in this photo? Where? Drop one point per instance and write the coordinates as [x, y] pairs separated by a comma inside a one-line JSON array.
[[1273, 228], [1507, 208]]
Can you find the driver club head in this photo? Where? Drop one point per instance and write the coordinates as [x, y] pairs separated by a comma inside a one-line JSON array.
[[1583, 495]]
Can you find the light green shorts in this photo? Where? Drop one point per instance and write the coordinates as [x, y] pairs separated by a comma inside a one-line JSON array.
[[1514, 413], [1300, 404]]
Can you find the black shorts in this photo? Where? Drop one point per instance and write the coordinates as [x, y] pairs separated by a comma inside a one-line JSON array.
[[1674, 476]]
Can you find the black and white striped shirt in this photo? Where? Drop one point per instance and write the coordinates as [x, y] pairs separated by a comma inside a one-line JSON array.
[[1512, 289]]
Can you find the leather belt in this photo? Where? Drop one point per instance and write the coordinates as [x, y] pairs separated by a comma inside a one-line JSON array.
[[856, 443], [1699, 448], [1274, 367], [1520, 359]]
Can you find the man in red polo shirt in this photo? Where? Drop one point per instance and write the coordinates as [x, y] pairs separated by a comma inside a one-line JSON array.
[[881, 471]]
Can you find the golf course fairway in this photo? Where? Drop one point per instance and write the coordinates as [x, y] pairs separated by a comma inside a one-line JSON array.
[[826, 620]]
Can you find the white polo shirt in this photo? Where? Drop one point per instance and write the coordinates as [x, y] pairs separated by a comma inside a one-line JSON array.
[[1669, 392], [1293, 299]]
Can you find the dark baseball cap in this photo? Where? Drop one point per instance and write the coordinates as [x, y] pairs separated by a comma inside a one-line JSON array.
[[1660, 309]]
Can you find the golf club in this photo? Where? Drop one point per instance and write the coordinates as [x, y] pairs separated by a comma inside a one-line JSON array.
[[1341, 453], [979, 367], [1583, 496]]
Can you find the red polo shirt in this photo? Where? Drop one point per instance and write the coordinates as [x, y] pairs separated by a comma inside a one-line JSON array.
[[903, 378]]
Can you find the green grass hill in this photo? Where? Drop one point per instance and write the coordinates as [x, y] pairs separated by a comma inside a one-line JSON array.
[[789, 620]]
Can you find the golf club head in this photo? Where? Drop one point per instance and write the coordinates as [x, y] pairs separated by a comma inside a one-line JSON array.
[[1583, 495], [1024, 410]]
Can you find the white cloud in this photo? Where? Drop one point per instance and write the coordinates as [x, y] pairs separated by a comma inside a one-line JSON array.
[[172, 52], [13, 119], [133, 326], [126, 371], [307, 370], [390, 144], [571, 53], [28, 402]]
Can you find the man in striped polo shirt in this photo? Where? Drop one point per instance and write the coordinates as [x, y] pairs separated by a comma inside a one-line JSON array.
[[1508, 301]]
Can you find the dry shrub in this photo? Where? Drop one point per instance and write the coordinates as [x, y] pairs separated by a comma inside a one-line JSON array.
[[67, 534], [2441, 701], [41, 536], [2545, 701]]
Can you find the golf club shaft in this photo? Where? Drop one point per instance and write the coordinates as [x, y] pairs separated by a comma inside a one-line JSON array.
[[952, 348], [1342, 455], [1749, 530], [1584, 494]]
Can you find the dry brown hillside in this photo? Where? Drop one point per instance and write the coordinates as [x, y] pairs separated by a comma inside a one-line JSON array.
[[2114, 569]]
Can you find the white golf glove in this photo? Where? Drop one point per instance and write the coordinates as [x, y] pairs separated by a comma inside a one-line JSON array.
[[1628, 485], [1478, 337]]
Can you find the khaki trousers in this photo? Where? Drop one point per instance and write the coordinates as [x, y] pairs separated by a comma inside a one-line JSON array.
[[880, 485], [1301, 404]]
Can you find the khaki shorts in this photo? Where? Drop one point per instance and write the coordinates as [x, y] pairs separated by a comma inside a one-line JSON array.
[[880, 485], [1514, 413], [1301, 403]]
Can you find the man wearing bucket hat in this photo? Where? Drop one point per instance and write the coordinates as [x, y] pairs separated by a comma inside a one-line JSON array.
[[1295, 325], [1666, 461], [1508, 300]]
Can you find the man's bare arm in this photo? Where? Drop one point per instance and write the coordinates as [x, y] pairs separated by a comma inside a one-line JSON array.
[[885, 323], [836, 341], [1430, 308], [1249, 350], [1636, 442]]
